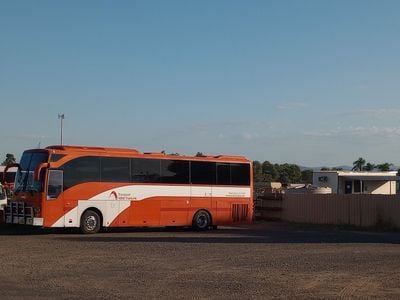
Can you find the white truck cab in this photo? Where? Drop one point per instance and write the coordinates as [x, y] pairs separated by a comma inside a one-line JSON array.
[[3, 197]]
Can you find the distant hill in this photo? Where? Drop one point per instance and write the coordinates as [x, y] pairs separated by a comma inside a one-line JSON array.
[[344, 167]]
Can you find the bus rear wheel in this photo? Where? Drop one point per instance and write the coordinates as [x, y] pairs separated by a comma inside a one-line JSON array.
[[90, 222], [201, 220]]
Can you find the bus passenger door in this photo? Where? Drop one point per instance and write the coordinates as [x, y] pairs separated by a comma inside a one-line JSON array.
[[53, 208]]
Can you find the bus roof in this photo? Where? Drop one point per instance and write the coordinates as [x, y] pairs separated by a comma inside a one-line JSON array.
[[136, 153]]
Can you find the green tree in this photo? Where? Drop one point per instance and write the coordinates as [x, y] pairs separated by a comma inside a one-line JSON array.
[[307, 176], [384, 167], [257, 171], [295, 176], [269, 171], [289, 173], [369, 167], [358, 164], [10, 159]]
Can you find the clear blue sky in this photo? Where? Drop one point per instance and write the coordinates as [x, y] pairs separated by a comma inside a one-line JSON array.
[[307, 82]]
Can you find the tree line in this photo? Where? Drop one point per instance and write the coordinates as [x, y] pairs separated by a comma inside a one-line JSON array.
[[291, 173], [362, 165], [285, 173]]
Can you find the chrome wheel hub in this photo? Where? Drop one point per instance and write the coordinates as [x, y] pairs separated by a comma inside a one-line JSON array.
[[90, 223]]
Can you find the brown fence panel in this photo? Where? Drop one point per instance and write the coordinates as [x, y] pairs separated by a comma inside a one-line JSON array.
[[359, 210], [388, 212]]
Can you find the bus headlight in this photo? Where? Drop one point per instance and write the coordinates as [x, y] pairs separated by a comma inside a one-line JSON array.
[[37, 211]]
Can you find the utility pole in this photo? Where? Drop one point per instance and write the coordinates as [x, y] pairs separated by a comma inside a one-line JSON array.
[[61, 118]]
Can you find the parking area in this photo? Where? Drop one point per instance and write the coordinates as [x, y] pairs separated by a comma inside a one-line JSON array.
[[258, 261]]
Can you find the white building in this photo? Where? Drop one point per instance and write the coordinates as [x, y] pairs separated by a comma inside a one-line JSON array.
[[350, 182]]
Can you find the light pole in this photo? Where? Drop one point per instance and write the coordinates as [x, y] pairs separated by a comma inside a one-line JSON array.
[[61, 118]]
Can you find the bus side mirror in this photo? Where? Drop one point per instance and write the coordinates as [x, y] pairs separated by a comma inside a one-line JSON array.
[[6, 169], [39, 168]]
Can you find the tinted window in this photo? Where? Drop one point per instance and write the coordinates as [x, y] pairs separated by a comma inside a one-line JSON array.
[[145, 170], [56, 157], [174, 171], [38, 158], [30, 160], [115, 169], [24, 178], [240, 174], [55, 184], [80, 170], [223, 174], [203, 172]]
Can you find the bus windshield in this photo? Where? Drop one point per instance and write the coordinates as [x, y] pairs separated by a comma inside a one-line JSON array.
[[24, 180]]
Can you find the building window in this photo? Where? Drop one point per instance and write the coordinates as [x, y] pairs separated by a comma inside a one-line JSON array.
[[357, 186]]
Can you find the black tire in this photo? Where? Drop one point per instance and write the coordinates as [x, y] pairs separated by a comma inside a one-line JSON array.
[[201, 220], [90, 222]]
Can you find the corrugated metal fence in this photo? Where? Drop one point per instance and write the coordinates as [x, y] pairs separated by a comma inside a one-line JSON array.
[[359, 210]]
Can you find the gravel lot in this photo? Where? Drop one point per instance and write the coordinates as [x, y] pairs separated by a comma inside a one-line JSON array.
[[263, 260]]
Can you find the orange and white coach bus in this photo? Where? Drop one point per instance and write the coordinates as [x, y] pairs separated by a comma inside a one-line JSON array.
[[94, 187]]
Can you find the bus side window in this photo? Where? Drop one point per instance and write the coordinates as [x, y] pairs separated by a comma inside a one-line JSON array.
[[223, 174], [145, 170], [55, 184], [80, 170], [240, 174], [203, 172], [174, 171]]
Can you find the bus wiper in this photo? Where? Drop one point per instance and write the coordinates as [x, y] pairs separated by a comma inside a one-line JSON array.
[[25, 181], [20, 182], [33, 190]]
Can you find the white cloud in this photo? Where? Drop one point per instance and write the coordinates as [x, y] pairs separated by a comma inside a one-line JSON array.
[[292, 105], [250, 135], [357, 131], [376, 112]]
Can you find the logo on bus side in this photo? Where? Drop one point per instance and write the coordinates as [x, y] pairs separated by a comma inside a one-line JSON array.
[[121, 196]]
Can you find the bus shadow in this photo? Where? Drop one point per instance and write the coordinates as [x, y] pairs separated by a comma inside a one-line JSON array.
[[244, 236], [26, 230], [269, 233]]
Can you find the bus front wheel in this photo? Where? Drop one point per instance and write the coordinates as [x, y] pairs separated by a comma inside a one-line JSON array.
[[201, 220], [90, 222]]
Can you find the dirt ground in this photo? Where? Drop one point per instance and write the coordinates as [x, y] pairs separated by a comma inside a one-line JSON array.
[[259, 261]]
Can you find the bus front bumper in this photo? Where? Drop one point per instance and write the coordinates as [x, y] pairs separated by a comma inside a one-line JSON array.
[[19, 213], [34, 221]]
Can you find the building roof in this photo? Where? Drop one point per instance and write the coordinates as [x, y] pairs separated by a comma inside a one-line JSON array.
[[356, 175], [372, 177]]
